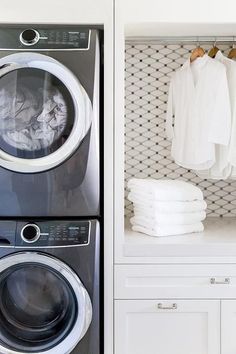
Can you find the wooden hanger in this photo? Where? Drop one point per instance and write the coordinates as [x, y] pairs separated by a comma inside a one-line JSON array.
[[197, 53], [213, 51], [232, 53]]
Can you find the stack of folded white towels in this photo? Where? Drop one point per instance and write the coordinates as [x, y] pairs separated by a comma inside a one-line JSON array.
[[166, 207]]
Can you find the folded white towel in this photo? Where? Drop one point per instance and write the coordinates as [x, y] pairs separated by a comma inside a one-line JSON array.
[[160, 219], [173, 190], [141, 200], [167, 219], [170, 230]]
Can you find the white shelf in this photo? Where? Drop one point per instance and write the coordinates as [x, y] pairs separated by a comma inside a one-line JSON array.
[[218, 240]]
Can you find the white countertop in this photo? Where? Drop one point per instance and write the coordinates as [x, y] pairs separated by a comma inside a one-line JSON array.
[[218, 239]]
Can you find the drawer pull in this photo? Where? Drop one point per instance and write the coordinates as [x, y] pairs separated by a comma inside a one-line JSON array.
[[224, 282], [172, 307]]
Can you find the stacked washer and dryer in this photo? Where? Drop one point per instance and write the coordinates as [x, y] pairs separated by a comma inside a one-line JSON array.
[[50, 210]]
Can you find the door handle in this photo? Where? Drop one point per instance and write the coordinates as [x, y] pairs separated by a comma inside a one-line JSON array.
[[226, 281], [171, 307]]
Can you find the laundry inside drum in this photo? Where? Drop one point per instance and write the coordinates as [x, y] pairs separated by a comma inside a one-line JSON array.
[[36, 113]]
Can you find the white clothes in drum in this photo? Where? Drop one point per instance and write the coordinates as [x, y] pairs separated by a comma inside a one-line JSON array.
[[41, 117]]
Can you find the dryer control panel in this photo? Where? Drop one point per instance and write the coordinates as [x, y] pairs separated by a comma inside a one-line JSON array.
[[45, 38], [52, 234]]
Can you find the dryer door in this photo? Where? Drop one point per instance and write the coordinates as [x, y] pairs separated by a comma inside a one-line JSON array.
[[44, 112], [44, 307]]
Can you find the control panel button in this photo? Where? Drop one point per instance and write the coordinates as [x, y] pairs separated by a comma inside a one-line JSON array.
[[29, 37], [30, 233]]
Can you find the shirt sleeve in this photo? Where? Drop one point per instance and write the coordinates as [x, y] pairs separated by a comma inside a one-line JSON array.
[[220, 123], [170, 113]]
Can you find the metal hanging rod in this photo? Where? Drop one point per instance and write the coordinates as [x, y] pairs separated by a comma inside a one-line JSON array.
[[184, 39]]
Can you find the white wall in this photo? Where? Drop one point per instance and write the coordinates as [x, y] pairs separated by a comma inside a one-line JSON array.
[[55, 11], [177, 10], [176, 17]]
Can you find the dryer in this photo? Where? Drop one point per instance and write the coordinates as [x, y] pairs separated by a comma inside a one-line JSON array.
[[50, 287], [49, 121]]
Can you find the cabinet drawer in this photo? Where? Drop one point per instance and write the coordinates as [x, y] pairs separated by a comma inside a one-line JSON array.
[[175, 281]]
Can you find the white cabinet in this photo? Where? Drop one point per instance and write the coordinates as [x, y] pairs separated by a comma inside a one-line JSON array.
[[167, 327], [228, 326], [197, 314]]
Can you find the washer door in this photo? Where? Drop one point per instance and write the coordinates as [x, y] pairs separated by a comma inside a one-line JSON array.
[[44, 307], [44, 112]]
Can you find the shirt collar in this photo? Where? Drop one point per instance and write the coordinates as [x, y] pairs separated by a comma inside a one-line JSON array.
[[199, 61], [219, 55], [222, 58]]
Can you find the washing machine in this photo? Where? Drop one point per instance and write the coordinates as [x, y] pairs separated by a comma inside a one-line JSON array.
[[50, 117], [49, 287]]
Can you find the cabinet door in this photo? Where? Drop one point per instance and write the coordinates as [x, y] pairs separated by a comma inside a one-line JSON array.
[[167, 327], [228, 327]]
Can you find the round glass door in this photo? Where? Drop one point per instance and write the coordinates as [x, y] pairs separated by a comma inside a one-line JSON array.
[[36, 113], [44, 112], [39, 307]]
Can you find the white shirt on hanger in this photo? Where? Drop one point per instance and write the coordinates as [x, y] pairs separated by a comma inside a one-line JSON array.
[[222, 169], [232, 146], [232, 149], [199, 103]]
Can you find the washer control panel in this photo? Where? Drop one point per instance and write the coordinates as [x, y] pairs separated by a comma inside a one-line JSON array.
[[45, 38], [56, 233]]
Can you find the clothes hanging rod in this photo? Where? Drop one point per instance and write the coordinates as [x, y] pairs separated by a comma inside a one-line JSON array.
[[182, 39]]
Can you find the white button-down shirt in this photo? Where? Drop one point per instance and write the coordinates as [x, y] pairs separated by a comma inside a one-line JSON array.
[[232, 146], [222, 169], [200, 105]]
